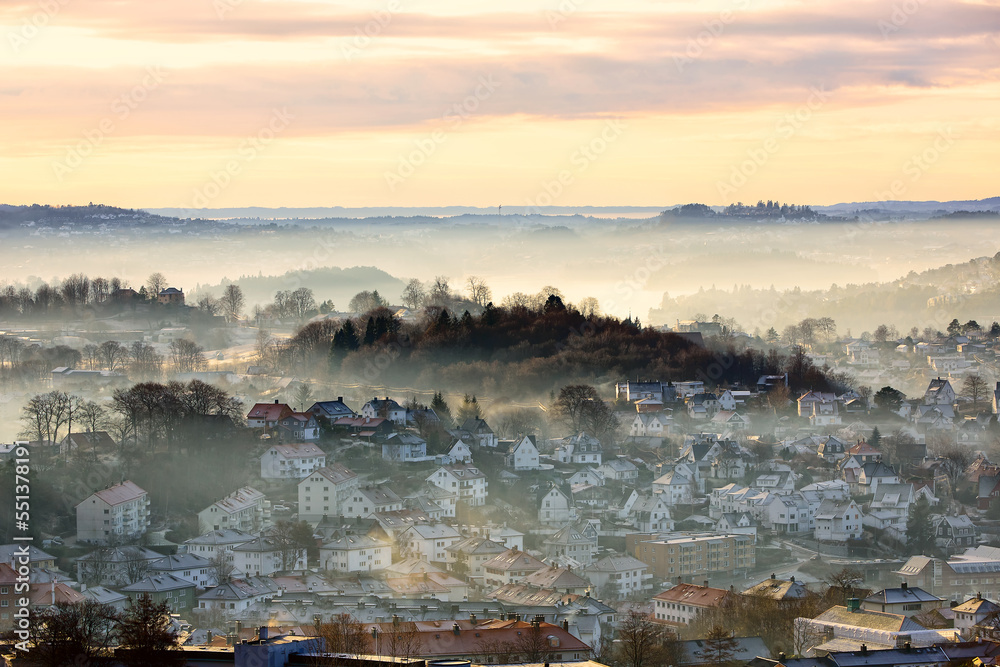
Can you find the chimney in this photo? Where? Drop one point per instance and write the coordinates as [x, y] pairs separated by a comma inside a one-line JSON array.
[[864, 649], [456, 629], [772, 575], [208, 637], [262, 633], [275, 401], [472, 619], [853, 604], [706, 583], [903, 585], [793, 579], [340, 399], [565, 624]]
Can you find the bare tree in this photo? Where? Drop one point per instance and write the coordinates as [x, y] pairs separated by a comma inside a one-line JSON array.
[[975, 388], [112, 355], [155, 284], [589, 307], [232, 302], [479, 292], [413, 294], [638, 635], [186, 355], [401, 640], [343, 634]]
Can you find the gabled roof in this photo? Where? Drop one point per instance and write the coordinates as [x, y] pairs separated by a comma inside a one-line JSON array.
[[874, 620], [559, 578], [337, 473], [298, 450], [901, 596], [695, 595], [119, 493], [270, 412], [155, 583], [513, 559], [617, 564]]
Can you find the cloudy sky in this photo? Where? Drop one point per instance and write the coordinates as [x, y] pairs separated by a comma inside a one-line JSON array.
[[440, 102]]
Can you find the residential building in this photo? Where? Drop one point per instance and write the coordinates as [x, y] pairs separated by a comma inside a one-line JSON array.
[[293, 461], [355, 553], [298, 427], [385, 408], [684, 603], [331, 411], [570, 542], [620, 470], [119, 512], [509, 567], [468, 480], [404, 448], [555, 507], [264, 556], [323, 492], [217, 544], [477, 431], [837, 521], [245, 509], [625, 575], [467, 557], [365, 501], [267, 415], [693, 555], [905, 600], [199, 570], [179, 594], [429, 542], [522, 454]]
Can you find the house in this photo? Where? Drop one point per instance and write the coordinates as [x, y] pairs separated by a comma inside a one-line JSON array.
[[650, 425], [620, 470], [170, 296], [832, 449], [623, 574], [905, 601], [684, 603], [510, 538], [244, 509], [90, 442], [555, 507], [731, 420], [677, 486], [404, 448], [522, 454], [467, 557], [331, 411], [972, 612], [871, 475], [460, 452], [385, 408], [366, 500], [267, 415], [421, 418], [651, 514], [293, 461], [702, 406], [217, 544], [736, 522], [355, 553], [837, 521], [323, 492], [364, 427], [782, 590], [179, 594], [429, 542], [477, 431], [119, 512], [635, 391], [808, 400], [855, 629], [509, 567], [236, 596], [953, 533], [264, 556], [579, 449], [957, 578], [570, 542], [939, 392], [105, 596], [890, 508], [298, 427], [465, 479], [586, 477], [199, 570], [115, 566]]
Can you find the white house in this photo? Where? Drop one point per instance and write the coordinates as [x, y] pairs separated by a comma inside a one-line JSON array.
[[385, 408], [466, 479], [619, 469], [293, 461], [478, 432], [650, 425], [236, 596], [119, 512], [217, 544], [939, 392], [625, 574], [366, 500], [428, 542], [555, 507], [244, 509], [263, 556], [838, 521], [651, 514], [587, 476], [460, 452], [323, 492], [197, 569], [404, 448], [677, 486], [355, 553], [523, 454]]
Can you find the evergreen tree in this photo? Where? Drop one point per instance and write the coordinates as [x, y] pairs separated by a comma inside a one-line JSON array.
[[919, 532], [875, 438], [370, 335], [718, 647], [145, 636], [441, 409]]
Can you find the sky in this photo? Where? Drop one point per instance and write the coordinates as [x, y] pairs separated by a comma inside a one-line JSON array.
[[521, 103]]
